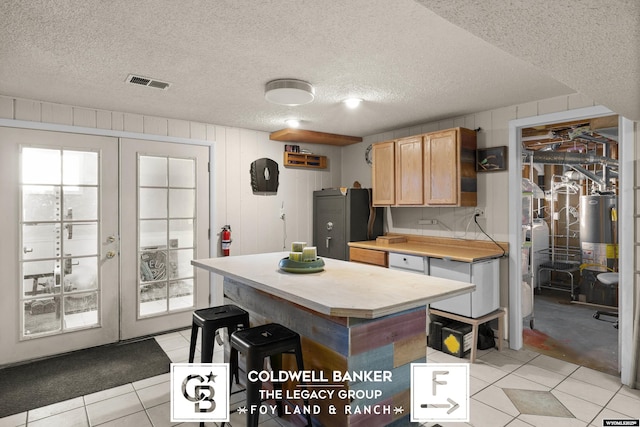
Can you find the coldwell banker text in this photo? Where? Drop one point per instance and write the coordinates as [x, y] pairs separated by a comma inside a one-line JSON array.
[[319, 376], [322, 386]]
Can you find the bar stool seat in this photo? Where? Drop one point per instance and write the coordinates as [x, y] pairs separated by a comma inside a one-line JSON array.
[[210, 320], [610, 280], [257, 343]]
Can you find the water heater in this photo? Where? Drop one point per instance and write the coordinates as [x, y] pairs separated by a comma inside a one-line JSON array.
[[598, 230]]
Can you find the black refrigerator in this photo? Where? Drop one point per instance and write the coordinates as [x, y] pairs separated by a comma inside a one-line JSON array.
[[341, 217]]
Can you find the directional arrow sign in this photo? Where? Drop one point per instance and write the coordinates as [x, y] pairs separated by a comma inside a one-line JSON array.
[[440, 392], [452, 404]]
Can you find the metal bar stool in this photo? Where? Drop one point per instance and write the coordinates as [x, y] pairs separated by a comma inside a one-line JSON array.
[[210, 320], [256, 344]]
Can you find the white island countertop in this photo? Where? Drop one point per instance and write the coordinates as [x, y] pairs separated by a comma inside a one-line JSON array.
[[343, 289]]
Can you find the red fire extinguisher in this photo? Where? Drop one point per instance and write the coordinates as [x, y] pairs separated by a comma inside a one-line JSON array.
[[225, 239]]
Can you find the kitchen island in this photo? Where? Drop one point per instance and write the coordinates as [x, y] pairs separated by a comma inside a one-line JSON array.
[[354, 320]]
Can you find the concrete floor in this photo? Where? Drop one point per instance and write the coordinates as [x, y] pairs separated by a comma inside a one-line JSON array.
[[568, 331]]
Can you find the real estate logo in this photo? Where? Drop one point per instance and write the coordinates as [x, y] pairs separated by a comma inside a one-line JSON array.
[[199, 392], [440, 392]]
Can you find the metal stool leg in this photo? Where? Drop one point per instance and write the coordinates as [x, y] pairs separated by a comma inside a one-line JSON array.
[[300, 365], [192, 343], [254, 362]]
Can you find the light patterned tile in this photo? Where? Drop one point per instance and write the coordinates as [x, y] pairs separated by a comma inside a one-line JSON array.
[[580, 408], [625, 405], [56, 408], [539, 375], [630, 392], [440, 357], [554, 365], [114, 408], [496, 398], [137, 419], [518, 423], [173, 343], [501, 361], [486, 372], [186, 333], [155, 395], [271, 422], [476, 384], [169, 336], [161, 415], [148, 382], [179, 355], [606, 414], [482, 415], [515, 381], [597, 378], [73, 418], [107, 394], [14, 420], [522, 355], [535, 402], [542, 421], [586, 391]]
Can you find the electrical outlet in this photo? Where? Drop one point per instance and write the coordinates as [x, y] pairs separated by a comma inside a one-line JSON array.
[[479, 212], [427, 221]]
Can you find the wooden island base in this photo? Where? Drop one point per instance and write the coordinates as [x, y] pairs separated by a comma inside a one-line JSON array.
[[383, 347]]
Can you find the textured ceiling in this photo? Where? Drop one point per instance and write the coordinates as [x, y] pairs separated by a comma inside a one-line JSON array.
[[408, 64], [592, 46]]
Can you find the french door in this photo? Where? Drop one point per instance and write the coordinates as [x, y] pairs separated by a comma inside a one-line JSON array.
[[74, 208], [164, 206]]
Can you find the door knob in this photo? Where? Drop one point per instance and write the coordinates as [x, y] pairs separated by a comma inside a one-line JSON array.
[[111, 254]]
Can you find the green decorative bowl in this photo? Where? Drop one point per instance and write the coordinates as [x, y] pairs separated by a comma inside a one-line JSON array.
[[301, 267]]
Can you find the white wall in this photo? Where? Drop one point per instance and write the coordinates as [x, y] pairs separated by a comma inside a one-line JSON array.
[[254, 219]]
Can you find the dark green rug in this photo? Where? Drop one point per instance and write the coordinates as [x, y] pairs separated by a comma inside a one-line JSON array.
[[32, 385]]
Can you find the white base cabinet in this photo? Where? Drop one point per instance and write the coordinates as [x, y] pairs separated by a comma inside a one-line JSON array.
[[484, 274]]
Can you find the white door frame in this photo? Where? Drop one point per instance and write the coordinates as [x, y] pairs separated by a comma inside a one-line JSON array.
[[24, 124], [626, 244]]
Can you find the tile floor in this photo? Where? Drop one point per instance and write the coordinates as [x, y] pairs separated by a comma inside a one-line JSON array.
[[508, 388]]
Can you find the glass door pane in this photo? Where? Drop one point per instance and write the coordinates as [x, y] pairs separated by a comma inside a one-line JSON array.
[[166, 217], [59, 240]]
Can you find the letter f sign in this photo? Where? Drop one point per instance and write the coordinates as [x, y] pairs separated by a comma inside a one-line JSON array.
[[435, 382]]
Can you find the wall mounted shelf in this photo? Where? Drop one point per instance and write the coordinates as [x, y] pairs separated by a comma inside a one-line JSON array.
[[312, 137], [301, 160]]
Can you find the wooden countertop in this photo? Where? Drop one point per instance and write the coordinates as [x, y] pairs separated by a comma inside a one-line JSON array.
[[343, 289], [438, 247]]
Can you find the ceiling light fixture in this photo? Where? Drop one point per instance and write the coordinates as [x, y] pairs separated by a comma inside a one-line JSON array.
[[352, 102], [289, 92], [292, 123]]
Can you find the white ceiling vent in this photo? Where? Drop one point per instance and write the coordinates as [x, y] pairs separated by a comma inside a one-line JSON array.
[[146, 81]]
